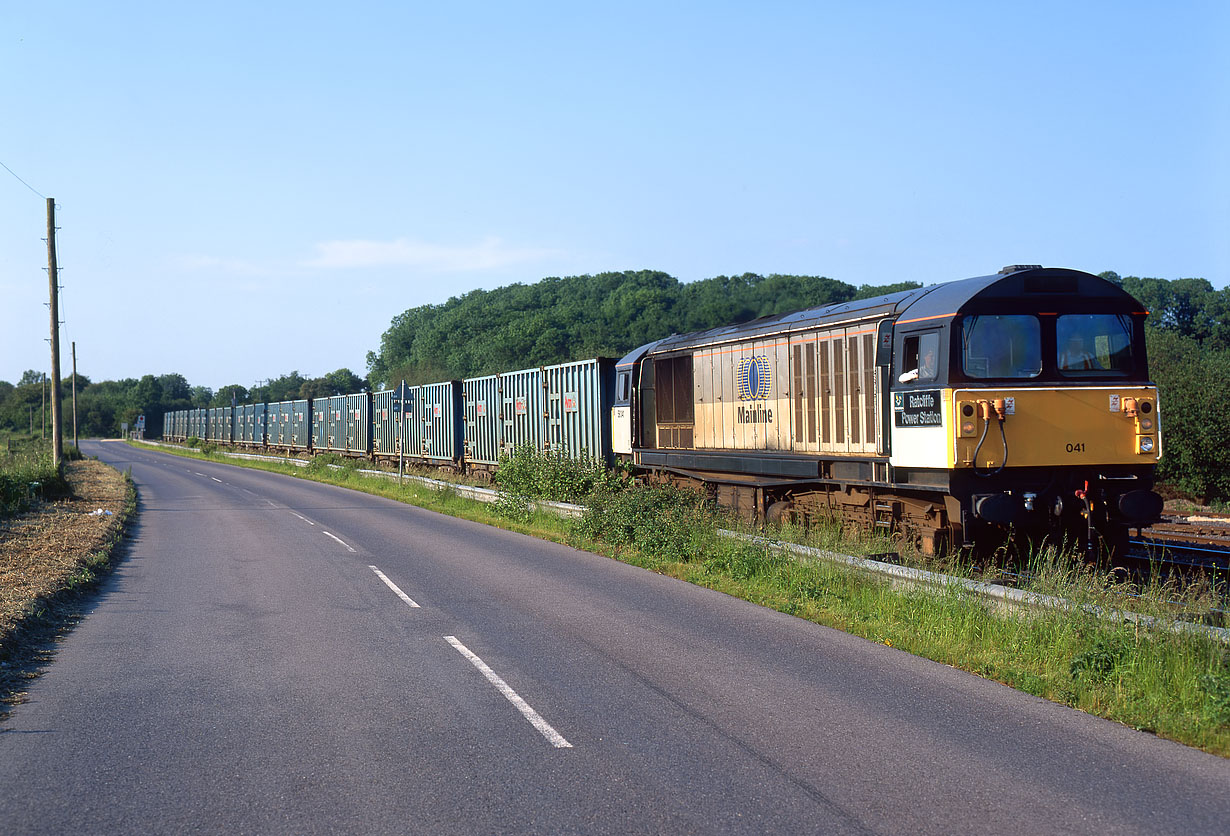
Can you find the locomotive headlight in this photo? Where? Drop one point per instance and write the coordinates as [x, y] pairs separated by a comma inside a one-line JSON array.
[[1146, 444], [969, 420]]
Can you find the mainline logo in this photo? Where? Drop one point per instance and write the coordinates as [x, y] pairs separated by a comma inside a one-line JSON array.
[[754, 377]]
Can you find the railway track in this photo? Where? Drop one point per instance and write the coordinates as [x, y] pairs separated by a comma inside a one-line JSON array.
[[1197, 542]]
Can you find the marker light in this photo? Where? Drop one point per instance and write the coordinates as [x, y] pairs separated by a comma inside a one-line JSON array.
[[1146, 444], [969, 422]]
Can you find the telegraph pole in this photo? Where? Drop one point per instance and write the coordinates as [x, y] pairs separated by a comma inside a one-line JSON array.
[[53, 278], [75, 393]]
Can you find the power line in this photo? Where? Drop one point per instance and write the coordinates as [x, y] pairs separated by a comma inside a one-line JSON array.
[[23, 182]]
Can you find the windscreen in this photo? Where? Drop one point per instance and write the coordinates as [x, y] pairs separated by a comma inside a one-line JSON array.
[[1001, 346], [1093, 344]]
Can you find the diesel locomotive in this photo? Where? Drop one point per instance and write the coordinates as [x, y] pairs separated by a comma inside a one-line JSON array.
[[956, 414], [962, 414]]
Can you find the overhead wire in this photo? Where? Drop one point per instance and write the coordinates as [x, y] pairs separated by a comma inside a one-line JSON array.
[[23, 182]]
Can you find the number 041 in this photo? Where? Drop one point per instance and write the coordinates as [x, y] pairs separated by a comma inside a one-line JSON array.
[[1079, 447]]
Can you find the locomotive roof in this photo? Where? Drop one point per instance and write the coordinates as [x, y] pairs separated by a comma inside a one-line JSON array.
[[1020, 289], [1051, 285], [877, 308]]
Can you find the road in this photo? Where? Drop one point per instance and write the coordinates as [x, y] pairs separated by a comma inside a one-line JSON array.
[[278, 656]]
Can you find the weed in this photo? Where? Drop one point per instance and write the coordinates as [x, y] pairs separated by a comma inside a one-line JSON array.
[[326, 462], [1216, 686], [1101, 657], [513, 506], [744, 561]]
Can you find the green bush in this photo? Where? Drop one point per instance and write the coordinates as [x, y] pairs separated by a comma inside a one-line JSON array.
[[661, 522], [1193, 383], [513, 506], [539, 474]]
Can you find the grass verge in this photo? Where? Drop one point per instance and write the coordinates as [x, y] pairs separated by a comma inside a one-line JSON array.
[[27, 474], [1176, 685]]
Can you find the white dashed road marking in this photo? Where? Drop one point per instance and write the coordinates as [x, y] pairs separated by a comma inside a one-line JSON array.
[[555, 738], [393, 587], [327, 534]]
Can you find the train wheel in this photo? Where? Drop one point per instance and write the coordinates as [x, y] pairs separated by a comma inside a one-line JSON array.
[[778, 512]]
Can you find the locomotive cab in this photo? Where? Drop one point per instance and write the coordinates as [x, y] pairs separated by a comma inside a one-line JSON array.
[[1040, 418]]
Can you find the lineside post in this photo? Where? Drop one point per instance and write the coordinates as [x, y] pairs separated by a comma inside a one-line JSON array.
[[53, 279], [75, 394]]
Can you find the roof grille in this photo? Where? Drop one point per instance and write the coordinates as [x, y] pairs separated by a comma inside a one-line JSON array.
[[1016, 268]]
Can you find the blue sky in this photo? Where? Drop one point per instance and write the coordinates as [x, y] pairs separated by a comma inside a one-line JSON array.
[[247, 189]]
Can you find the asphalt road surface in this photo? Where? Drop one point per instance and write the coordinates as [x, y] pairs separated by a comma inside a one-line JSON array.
[[279, 656]]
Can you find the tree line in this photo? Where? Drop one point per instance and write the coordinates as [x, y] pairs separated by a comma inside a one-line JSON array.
[[560, 319], [1188, 333], [103, 407], [603, 315]]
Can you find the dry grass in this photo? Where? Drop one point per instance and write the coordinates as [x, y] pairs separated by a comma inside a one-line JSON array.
[[46, 555]]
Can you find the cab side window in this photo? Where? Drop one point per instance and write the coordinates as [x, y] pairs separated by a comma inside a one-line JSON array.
[[920, 358]]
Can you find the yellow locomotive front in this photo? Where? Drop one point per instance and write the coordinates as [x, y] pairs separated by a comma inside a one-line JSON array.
[[1043, 413]]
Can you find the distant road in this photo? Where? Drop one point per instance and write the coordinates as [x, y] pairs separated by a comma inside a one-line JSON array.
[[279, 656]]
